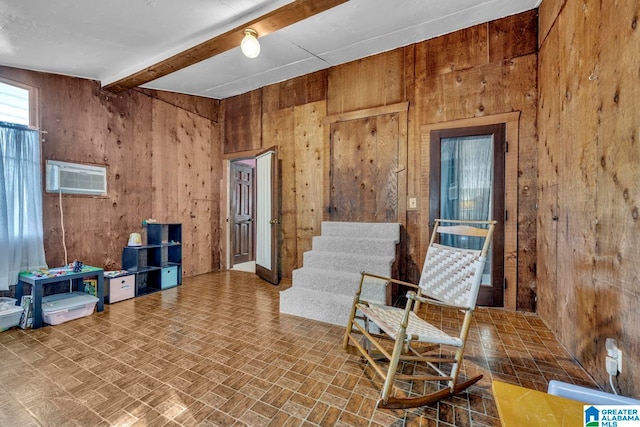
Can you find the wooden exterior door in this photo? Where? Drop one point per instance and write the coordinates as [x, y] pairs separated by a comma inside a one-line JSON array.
[[364, 159], [467, 181], [268, 217], [242, 196]]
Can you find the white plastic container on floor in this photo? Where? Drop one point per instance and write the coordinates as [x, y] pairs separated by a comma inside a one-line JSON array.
[[60, 308], [10, 317], [7, 303]]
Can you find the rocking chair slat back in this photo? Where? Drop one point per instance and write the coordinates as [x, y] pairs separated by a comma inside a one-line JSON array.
[[452, 275]]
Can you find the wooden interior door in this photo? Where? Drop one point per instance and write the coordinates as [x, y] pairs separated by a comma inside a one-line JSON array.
[[242, 196], [364, 169], [268, 217]]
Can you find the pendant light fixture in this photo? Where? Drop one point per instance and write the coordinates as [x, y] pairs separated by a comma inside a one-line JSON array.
[[250, 45]]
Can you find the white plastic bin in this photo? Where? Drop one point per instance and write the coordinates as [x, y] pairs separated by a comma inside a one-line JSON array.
[[10, 317], [7, 303], [60, 308]]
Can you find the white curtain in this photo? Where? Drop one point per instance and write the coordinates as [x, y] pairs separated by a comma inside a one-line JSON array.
[[466, 181], [21, 242]]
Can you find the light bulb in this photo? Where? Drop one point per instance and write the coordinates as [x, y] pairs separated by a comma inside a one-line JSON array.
[[250, 45]]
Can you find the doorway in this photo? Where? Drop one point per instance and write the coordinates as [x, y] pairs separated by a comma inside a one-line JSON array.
[[253, 214], [467, 182], [242, 206]]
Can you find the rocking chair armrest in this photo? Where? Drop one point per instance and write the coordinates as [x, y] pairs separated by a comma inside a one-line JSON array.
[[413, 296], [390, 280]]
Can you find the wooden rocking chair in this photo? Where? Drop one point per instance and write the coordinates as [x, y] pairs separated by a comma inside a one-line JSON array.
[[450, 278]]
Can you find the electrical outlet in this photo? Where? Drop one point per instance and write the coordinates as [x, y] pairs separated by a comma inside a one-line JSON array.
[[413, 203], [612, 366], [614, 357]]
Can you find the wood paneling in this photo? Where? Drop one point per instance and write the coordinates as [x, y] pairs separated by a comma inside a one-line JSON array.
[[461, 50], [278, 130], [129, 134], [364, 162], [513, 36], [294, 92], [548, 12], [198, 105], [181, 181], [310, 137], [366, 83], [243, 122], [589, 153]]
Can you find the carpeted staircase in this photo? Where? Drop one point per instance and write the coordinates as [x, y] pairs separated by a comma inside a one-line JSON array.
[[323, 289]]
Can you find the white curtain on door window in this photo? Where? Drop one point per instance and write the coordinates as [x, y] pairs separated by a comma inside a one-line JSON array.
[[466, 181], [21, 242]]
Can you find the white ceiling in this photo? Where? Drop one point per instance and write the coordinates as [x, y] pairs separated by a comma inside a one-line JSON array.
[[107, 40]]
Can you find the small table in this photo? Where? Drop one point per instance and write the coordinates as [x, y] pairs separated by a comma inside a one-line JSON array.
[[520, 406], [57, 275]]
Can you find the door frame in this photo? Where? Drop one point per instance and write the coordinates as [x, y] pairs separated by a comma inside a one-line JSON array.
[[511, 121], [497, 131], [226, 255]]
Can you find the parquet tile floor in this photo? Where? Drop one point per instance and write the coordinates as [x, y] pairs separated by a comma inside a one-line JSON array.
[[217, 352]]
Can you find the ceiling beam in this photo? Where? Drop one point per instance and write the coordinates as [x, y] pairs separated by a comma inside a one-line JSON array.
[[291, 13]]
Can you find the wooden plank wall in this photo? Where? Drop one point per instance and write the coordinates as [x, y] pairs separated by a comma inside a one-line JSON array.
[[159, 150], [487, 69], [589, 225]]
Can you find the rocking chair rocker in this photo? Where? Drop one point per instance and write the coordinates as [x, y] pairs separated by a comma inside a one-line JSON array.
[[450, 277]]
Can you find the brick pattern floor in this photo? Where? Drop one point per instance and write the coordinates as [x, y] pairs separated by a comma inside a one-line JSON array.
[[217, 352]]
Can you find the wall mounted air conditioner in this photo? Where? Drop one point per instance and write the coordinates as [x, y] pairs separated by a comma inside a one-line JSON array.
[[73, 178]]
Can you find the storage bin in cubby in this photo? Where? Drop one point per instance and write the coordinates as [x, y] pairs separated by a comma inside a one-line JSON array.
[[169, 277], [119, 288]]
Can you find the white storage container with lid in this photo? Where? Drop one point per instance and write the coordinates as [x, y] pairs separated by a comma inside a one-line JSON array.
[[7, 303], [10, 317], [60, 308]]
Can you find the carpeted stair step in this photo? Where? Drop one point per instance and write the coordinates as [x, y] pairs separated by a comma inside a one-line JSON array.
[[370, 230], [332, 281], [361, 246], [316, 305], [347, 262], [339, 283]]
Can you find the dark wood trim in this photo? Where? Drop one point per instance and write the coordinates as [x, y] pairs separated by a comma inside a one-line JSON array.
[[278, 19]]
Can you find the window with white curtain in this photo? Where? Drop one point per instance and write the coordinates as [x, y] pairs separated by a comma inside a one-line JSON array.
[[21, 236]]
